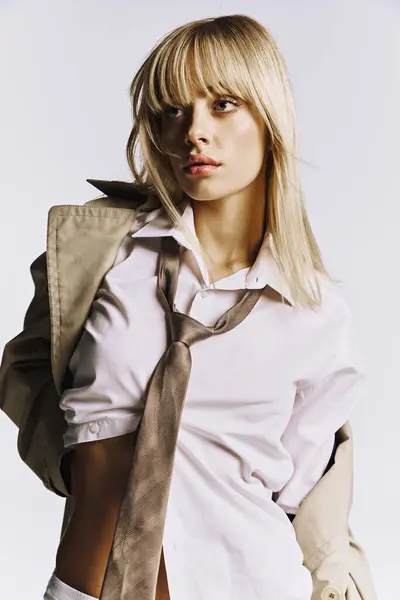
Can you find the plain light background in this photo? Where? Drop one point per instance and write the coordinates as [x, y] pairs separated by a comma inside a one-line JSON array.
[[65, 116]]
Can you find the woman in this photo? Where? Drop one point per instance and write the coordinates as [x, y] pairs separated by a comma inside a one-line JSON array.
[[215, 131]]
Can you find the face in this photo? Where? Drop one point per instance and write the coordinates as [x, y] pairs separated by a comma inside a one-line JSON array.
[[221, 129]]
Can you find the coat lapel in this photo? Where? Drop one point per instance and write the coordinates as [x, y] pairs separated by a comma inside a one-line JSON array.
[[82, 244]]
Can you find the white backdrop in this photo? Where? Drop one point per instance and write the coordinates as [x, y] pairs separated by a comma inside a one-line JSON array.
[[65, 68]]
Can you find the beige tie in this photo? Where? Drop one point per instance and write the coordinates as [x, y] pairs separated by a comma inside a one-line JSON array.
[[135, 555]]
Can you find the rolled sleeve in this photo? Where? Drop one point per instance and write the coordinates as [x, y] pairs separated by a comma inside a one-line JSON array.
[[321, 407], [100, 429]]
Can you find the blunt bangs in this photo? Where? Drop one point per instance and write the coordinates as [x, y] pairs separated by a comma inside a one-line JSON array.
[[207, 60]]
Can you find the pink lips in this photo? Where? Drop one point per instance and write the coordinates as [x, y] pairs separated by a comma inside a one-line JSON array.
[[201, 169], [200, 164]]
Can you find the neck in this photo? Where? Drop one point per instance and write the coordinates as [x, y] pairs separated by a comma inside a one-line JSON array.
[[231, 229]]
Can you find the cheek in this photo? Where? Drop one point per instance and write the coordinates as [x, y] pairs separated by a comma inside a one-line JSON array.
[[166, 138], [247, 145], [169, 139], [254, 134], [170, 135]]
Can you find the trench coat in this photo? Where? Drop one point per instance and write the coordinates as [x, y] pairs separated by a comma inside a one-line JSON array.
[[82, 244]]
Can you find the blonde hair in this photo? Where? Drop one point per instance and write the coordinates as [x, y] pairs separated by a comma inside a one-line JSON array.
[[232, 55]]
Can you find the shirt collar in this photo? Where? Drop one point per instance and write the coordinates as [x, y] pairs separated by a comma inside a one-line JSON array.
[[264, 270]]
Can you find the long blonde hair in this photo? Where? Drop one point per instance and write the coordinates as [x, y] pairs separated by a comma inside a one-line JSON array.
[[232, 55]]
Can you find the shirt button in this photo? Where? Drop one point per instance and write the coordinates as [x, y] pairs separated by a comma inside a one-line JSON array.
[[331, 593], [94, 427], [204, 293]]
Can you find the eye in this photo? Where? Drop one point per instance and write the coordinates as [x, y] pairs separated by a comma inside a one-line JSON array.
[[172, 112], [226, 104]]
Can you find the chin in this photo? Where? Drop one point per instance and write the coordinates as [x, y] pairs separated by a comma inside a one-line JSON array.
[[204, 193]]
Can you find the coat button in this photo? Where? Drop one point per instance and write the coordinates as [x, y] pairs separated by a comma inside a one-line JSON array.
[[94, 427], [331, 593]]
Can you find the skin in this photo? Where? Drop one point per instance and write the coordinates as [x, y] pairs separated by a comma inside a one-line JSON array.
[[228, 203]]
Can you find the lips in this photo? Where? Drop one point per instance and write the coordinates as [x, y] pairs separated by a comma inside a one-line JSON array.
[[200, 160]]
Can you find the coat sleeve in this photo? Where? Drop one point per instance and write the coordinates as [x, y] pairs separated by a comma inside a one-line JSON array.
[[344, 573], [27, 391]]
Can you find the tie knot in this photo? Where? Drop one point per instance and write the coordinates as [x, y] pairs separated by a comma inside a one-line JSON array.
[[187, 330]]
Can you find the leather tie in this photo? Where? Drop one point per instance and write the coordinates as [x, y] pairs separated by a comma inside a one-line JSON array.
[[134, 559]]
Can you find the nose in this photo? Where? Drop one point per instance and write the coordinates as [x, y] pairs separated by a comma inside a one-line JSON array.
[[198, 131]]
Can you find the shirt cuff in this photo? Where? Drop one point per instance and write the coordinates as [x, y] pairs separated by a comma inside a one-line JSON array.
[[58, 590], [100, 429]]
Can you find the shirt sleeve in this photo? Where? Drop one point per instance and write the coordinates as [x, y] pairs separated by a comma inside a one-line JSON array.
[[100, 403], [322, 405], [105, 398]]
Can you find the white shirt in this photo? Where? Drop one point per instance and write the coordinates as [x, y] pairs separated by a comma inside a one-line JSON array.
[[263, 403]]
